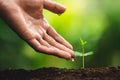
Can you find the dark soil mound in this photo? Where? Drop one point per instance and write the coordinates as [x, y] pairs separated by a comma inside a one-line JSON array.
[[106, 73]]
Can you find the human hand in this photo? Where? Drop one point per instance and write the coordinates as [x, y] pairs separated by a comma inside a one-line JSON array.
[[26, 19]]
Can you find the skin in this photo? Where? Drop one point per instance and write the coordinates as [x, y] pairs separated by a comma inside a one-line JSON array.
[[26, 18]]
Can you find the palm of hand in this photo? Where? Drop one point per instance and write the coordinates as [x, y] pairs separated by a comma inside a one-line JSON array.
[[27, 20]]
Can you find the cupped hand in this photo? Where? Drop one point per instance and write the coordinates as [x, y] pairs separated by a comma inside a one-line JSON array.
[[25, 17]]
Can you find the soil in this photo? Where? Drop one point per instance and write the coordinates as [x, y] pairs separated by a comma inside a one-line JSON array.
[[51, 73]]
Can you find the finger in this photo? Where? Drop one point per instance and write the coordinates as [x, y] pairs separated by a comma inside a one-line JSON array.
[[52, 42], [58, 38], [52, 51], [34, 43], [59, 53], [43, 42], [54, 7]]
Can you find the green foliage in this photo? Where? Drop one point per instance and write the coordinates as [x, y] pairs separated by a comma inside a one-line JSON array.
[[82, 42], [79, 54], [83, 54]]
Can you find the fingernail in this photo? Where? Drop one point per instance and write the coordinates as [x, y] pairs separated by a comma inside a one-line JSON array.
[[72, 54]]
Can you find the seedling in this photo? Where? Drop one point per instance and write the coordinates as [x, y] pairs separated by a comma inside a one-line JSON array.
[[83, 54]]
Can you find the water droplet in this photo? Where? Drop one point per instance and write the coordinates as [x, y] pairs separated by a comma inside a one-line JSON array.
[[73, 59]]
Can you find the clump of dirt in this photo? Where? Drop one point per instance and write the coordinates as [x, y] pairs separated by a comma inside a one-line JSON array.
[[51, 73]]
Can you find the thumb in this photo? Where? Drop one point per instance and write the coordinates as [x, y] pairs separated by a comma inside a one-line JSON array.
[[54, 7]]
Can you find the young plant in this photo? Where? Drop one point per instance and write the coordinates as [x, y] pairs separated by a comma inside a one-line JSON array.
[[83, 54]]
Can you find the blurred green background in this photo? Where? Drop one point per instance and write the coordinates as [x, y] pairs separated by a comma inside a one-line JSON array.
[[95, 21]]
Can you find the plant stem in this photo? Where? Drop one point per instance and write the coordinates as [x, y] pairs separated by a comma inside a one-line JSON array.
[[83, 44], [83, 63]]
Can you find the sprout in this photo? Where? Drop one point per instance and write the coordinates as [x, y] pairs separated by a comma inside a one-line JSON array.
[[82, 54]]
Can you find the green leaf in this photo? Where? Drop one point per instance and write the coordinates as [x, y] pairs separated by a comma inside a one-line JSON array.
[[85, 42], [77, 53], [88, 53], [80, 54], [82, 42]]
